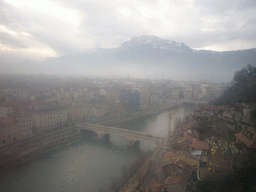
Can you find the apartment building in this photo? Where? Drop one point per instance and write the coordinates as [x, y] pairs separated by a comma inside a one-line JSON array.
[[9, 131], [48, 116]]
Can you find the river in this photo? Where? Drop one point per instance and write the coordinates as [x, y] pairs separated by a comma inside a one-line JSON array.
[[88, 165]]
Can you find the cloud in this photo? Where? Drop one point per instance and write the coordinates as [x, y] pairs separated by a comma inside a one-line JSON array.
[[65, 27], [11, 41], [219, 7], [7, 13]]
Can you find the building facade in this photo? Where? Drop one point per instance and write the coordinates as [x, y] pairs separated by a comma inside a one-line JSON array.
[[9, 131], [48, 117]]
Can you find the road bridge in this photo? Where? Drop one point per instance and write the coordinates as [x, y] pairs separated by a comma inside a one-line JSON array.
[[132, 136]]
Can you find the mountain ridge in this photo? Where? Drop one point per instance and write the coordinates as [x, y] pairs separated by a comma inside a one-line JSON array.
[[152, 57]]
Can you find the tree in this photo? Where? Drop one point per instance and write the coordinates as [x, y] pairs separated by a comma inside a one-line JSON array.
[[241, 76], [253, 116], [243, 89]]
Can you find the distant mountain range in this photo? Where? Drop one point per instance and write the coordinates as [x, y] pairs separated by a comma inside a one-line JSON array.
[[153, 57]]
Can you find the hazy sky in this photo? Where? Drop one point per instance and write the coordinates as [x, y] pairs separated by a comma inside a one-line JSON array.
[[48, 28]]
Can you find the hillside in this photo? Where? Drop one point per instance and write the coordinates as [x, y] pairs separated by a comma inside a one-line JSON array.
[[243, 89]]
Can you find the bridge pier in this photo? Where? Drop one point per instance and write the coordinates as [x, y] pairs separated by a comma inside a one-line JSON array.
[[104, 136], [102, 132], [92, 133], [133, 143], [100, 135]]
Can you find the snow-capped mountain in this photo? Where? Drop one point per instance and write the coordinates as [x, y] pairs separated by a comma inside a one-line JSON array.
[[153, 57], [157, 43]]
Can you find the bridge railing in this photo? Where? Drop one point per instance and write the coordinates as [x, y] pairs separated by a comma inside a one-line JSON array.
[[121, 131]]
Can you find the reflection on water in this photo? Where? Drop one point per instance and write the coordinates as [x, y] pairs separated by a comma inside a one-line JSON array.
[[86, 165], [158, 125]]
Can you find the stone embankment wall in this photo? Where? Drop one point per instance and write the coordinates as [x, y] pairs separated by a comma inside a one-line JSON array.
[[29, 149], [136, 178]]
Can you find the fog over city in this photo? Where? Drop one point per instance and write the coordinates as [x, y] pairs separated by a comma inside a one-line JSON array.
[[128, 96], [32, 32]]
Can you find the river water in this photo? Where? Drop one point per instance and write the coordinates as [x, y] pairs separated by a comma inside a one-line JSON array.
[[88, 165]]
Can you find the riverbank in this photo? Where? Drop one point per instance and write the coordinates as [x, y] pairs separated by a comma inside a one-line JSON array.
[[135, 180], [80, 167], [35, 152], [21, 152]]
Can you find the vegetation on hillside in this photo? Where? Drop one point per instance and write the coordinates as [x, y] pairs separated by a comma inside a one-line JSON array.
[[243, 89], [240, 180]]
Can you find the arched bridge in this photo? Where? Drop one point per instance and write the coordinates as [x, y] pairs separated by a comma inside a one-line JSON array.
[[132, 136]]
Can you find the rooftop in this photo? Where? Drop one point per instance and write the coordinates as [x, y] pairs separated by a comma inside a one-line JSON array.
[[176, 180], [200, 145], [4, 121], [168, 155], [248, 137]]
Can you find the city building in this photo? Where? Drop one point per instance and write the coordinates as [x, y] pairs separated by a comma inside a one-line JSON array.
[[9, 131], [78, 112], [177, 184], [25, 122], [48, 116], [130, 99]]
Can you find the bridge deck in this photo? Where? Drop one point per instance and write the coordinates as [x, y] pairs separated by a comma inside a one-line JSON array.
[[120, 131]]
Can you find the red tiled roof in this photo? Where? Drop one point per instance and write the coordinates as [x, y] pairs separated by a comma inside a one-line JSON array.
[[153, 183], [182, 141], [173, 161], [196, 134], [156, 188], [200, 145], [4, 121], [191, 134], [186, 154], [176, 180], [188, 136], [180, 152], [19, 103], [185, 138], [168, 155], [248, 137], [182, 165], [188, 125], [159, 170], [6, 104], [177, 129], [14, 103], [19, 113]]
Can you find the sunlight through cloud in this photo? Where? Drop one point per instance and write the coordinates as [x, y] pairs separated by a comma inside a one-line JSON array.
[[49, 8], [6, 30]]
